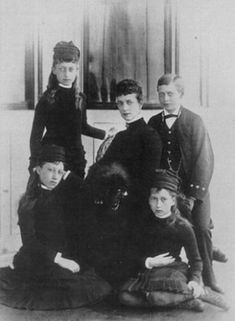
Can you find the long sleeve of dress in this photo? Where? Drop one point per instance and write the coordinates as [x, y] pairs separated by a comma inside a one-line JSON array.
[[192, 253], [29, 238], [87, 129], [39, 123]]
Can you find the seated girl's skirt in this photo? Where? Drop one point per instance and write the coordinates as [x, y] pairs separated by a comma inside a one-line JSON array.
[[54, 289], [171, 278]]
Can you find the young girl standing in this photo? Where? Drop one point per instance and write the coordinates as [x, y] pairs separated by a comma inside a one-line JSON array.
[[165, 280], [47, 272], [61, 111]]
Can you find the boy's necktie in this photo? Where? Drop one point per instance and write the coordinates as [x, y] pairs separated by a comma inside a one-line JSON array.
[[170, 116], [170, 119]]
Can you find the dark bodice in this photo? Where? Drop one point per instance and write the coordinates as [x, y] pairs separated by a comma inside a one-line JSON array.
[[171, 235], [161, 238], [49, 220], [59, 121], [138, 149], [49, 223], [63, 121]]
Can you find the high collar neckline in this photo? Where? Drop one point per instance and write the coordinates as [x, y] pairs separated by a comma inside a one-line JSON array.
[[65, 87], [44, 187], [139, 116], [135, 123], [161, 220], [165, 217]]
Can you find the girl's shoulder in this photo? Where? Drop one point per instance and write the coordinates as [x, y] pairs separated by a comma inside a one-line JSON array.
[[184, 228], [45, 100], [49, 96], [179, 222], [26, 209]]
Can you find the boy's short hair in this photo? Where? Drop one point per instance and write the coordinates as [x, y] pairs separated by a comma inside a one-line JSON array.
[[166, 79], [129, 86]]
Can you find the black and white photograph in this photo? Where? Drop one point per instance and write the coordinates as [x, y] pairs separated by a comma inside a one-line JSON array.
[[117, 128]]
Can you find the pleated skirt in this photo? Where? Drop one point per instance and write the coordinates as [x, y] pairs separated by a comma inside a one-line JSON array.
[[171, 278]]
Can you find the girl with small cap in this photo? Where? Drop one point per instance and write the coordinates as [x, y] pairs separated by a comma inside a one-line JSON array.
[[164, 279], [60, 115], [47, 273]]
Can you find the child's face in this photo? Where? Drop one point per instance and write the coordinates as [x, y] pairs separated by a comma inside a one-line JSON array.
[[65, 72], [128, 106], [50, 174], [160, 202], [170, 98]]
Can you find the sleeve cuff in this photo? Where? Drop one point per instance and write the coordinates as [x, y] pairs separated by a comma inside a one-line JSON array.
[[57, 257], [106, 135], [147, 263]]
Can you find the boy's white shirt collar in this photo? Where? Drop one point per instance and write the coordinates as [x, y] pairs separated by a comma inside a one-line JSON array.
[[170, 121], [176, 112]]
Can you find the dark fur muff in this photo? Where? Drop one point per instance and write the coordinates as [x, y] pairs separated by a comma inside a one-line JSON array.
[[107, 216], [109, 184]]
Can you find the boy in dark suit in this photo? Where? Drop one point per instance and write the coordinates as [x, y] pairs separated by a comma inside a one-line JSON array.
[[187, 150]]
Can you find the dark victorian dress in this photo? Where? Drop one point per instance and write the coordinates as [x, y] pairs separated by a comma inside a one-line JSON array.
[[36, 282], [161, 236], [138, 149], [64, 125]]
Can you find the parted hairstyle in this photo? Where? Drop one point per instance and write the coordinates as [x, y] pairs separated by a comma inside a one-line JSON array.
[[129, 86], [167, 79]]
